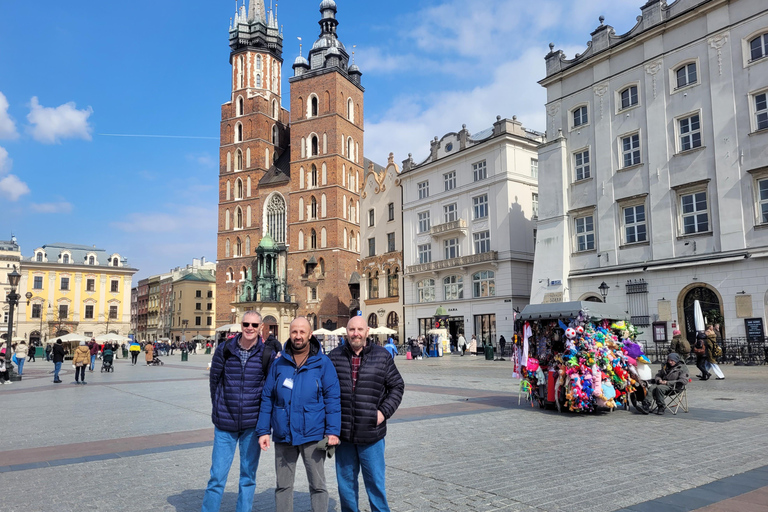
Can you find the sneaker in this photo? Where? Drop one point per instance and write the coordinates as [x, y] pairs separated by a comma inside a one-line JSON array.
[[84, 382], [661, 410], [644, 407], [7, 382]]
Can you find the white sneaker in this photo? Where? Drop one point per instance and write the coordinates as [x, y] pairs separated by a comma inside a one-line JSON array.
[[7, 382]]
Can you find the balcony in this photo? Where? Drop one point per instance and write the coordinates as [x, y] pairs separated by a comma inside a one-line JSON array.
[[457, 226], [463, 261]]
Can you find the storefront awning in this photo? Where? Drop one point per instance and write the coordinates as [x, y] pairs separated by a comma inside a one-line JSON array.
[[562, 310]]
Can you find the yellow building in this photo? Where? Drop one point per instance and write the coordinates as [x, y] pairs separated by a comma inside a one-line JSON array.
[[74, 289]]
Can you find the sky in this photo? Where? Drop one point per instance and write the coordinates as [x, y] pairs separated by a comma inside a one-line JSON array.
[[110, 111]]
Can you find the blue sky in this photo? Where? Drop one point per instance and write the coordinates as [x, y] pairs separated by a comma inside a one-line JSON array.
[[73, 72]]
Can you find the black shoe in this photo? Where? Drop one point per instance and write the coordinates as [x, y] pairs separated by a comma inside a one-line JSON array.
[[644, 408], [720, 378], [661, 410], [57, 382]]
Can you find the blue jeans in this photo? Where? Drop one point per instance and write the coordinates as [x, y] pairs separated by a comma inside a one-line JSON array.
[[350, 458], [224, 444], [93, 362], [20, 361], [56, 370]]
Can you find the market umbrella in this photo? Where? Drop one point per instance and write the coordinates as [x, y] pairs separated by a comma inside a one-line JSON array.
[[17, 340], [375, 330], [198, 338], [324, 332], [229, 328], [698, 317], [341, 331], [71, 337], [386, 330], [107, 337]]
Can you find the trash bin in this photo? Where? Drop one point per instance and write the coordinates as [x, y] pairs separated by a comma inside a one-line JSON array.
[[184, 356], [39, 352], [207, 350], [489, 353], [125, 353]]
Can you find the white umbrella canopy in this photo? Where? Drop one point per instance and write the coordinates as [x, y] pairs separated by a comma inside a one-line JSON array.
[[698, 316], [69, 337], [199, 337], [386, 330], [230, 328], [324, 332], [341, 331]]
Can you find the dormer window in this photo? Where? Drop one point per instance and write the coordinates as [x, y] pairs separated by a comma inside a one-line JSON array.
[[39, 257], [91, 260], [65, 259]]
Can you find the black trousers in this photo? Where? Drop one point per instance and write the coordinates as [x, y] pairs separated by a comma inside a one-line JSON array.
[[134, 357], [80, 373], [701, 364]]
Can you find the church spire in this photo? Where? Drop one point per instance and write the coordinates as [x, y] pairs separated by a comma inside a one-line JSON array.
[[256, 12]]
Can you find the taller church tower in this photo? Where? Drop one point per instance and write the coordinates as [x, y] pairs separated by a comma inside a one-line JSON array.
[[254, 148], [326, 177]]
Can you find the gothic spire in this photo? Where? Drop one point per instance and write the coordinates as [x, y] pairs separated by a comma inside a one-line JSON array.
[[256, 12]]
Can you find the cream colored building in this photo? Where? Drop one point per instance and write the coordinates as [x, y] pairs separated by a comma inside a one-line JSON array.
[[381, 262], [79, 289], [194, 305], [10, 256]]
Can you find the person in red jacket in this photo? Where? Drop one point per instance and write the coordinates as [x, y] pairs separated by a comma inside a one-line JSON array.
[[94, 347]]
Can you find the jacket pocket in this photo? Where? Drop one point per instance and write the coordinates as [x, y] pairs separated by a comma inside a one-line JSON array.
[[281, 427], [314, 419]]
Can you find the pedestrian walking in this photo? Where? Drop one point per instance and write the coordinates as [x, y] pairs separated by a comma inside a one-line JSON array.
[[48, 350], [391, 348], [300, 406], [57, 355], [135, 350], [21, 350], [714, 351], [80, 362], [473, 346], [149, 353], [94, 351], [502, 344], [237, 376], [700, 349], [31, 353], [371, 391], [680, 345], [462, 343]]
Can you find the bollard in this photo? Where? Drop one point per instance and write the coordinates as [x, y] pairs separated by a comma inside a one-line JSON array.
[[184, 356]]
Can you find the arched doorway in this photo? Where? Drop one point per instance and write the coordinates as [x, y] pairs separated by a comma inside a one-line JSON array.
[[710, 303], [271, 323], [34, 337], [373, 320], [590, 297]]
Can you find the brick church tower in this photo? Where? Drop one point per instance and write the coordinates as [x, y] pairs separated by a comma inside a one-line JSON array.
[[254, 149], [326, 177]]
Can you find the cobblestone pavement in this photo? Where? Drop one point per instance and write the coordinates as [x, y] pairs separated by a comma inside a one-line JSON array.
[[139, 439]]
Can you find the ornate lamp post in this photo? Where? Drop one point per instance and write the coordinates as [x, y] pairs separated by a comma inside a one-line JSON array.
[[13, 300], [603, 290]]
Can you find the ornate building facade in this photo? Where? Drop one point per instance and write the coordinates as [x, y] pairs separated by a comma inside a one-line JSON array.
[[294, 186]]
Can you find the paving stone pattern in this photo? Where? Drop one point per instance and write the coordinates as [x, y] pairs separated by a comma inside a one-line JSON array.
[[460, 442]]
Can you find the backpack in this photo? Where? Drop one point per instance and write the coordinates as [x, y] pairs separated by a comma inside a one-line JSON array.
[[699, 348], [718, 351], [266, 360]]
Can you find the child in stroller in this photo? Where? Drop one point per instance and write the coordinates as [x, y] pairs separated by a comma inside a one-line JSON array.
[[155, 360], [106, 359]]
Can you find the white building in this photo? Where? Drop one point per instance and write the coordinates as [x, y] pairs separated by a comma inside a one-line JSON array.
[[468, 228], [656, 167], [381, 258]]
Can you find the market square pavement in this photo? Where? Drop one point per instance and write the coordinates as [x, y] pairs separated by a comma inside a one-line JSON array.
[[139, 439]]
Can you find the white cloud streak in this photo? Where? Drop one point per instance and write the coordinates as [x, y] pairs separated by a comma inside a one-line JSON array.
[[50, 125], [7, 124], [59, 207]]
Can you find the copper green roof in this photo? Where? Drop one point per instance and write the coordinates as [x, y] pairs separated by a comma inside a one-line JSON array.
[[267, 242]]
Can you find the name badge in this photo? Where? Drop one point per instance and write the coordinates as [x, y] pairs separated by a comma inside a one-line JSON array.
[[288, 383]]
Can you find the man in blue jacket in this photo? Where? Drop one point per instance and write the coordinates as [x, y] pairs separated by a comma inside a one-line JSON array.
[[237, 378], [301, 405]]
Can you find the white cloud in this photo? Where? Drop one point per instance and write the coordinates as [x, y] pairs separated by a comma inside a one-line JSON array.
[[5, 161], [51, 124], [7, 124], [59, 207], [13, 188], [204, 160]]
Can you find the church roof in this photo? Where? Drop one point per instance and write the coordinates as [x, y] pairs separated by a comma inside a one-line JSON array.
[[280, 172], [267, 242]]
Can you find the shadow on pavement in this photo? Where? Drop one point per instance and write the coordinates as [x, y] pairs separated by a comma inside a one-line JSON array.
[[191, 500]]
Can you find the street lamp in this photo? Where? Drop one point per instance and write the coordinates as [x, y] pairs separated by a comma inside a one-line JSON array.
[[13, 300], [603, 290]]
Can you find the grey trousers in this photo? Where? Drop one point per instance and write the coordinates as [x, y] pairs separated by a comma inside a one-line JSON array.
[[286, 456]]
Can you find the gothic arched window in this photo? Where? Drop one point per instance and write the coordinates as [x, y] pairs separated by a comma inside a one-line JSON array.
[[313, 239], [315, 107], [276, 218], [313, 208]]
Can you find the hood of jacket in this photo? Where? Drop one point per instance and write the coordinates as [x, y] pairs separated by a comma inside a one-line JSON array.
[[314, 350]]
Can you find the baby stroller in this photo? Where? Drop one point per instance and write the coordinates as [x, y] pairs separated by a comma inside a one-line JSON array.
[[155, 361], [106, 361]]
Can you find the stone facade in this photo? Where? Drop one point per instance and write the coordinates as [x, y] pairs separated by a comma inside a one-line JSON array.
[[656, 169], [10, 257]]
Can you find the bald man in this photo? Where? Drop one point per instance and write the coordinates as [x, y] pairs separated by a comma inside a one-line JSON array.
[[371, 392], [300, 406]]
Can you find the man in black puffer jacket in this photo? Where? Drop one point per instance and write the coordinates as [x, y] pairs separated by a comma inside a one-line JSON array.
[[371, 392]]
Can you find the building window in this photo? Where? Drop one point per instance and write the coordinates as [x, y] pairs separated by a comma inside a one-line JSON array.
[[313, 176], [89, 312], [426, 290], [37, 310], [451, 212], [534, 168], [758, 47], [210, 307], [635, 229], [695, 213], [113, 312], [762, 186], [90, 285], [423, 222], [690, 132], [480, 206], [210, 294], [209, 321], [114, 286], [198, 294], [314, 106], [686, 75], [449, 179], [393, 322], [91, 260], [198, 306], [535, 205], [39, 257], [373, 285], [585, 233], [313, 208], [391, 210], [451, 248], [65, 283], [198, 320], [480, 171], [65, 259], [581, 163], [484, 284], [393, 283], [580, 116], [630, 149], [629, 97], [276, 218], [373, 321], [425, 253], [453, 287], [313, 239], [390, 242], [371, 218], [38, 283], [314, 146], [371, 247], [240, 107], [761, 111], [63, 311], [423, 188]]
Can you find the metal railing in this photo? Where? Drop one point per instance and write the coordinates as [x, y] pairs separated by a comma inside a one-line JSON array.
[[737, 351]]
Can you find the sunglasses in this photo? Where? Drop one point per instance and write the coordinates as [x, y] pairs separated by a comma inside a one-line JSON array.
[[250, 324]]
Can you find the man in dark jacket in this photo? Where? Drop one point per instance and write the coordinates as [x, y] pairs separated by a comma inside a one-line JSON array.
[[58, 359], [673, 376], [236, 382], [371, 392], [300, 404]]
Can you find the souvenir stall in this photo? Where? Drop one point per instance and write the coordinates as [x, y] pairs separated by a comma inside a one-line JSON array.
[[578, 356]]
